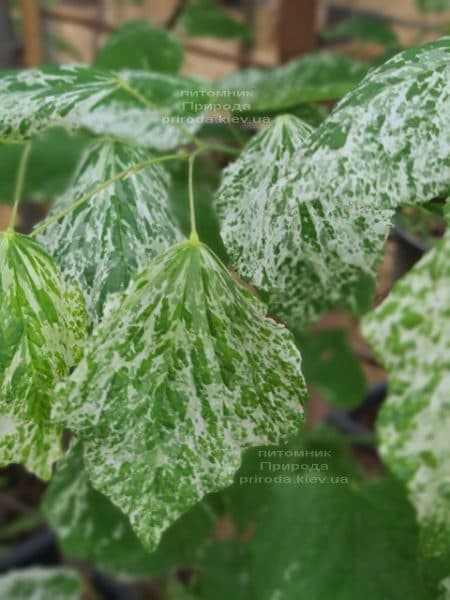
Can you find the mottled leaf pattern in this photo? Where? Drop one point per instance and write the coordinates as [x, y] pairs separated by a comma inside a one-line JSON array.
[[105, 241], [309, 256], [387, 142], [256, 216], [37, 583], [41, 332], [410, 334], [312, 78], [155, 111], [184, 372], [35, 445]]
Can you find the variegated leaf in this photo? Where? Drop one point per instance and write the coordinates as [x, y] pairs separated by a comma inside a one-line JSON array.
[[183, 374], [312, 78], [106, 240], [387, 142], [35, 445], [155, 110], [309, 256], [38, 583], [42, 325], [410, 333]]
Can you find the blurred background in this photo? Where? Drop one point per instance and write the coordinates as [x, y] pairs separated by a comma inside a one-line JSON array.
[[213, 39]]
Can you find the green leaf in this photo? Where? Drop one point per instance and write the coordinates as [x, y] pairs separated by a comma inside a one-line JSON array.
[[386, 143], [52, 162], [312, 78], [38, 583], [184, 372], [410, 334], [204, 18], [331, 367], [364, 28], [90, 527], [340, 540], [155, 110], [41, 335], [307, 256], [138, 45], [103, 242], [326, 518]]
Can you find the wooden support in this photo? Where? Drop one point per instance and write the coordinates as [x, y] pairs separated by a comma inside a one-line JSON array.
[[32, 34], [297, 28]]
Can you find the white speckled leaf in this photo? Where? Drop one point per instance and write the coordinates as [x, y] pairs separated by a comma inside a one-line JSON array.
[[388, 141], [42, 325], [37, 583], [312, 78], [410, 333], [182, 375], [105, 241], [86, 97], [308, 256]]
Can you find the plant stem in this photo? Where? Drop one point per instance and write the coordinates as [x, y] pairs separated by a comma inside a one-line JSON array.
[[20, 179], [117, 177]]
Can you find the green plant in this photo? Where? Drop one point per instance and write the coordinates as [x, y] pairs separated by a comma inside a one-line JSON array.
[[165, 367]]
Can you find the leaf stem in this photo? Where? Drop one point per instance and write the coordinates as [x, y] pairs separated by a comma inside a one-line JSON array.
[[20, 179], [117, 177], [193, 239]]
